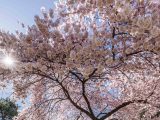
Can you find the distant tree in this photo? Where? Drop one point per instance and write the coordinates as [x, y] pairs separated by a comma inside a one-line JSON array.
[[8, 109]]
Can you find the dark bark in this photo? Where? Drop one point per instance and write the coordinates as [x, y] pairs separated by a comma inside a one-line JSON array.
[[122, 106]]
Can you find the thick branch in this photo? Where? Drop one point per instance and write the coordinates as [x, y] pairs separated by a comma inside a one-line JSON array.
[[73, 73], [74, 103], [122, 106], [86, 99]]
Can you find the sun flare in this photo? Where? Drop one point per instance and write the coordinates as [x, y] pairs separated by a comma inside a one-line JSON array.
[[8, 61]]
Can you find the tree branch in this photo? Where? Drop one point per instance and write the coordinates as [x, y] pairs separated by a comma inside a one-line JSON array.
[[122, 106]]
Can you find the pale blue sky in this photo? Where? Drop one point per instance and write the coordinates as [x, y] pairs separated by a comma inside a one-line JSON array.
[[12, 11]]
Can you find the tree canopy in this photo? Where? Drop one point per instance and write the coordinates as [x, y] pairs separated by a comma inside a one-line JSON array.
[[88, 59], [8, 109]]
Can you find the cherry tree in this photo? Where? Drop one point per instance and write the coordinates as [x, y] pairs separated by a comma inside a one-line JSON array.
[[88, 59]]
